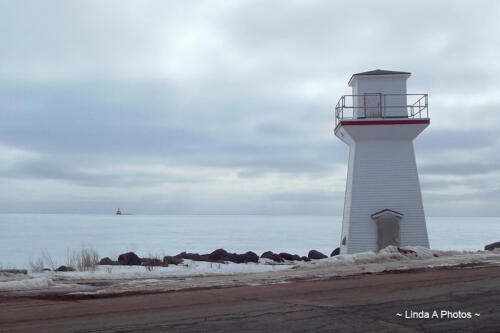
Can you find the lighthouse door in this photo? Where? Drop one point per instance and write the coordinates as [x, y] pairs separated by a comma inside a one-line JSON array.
[[372, 105], [387, 232]]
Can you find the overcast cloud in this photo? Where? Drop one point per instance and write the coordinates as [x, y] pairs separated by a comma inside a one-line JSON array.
[[226, 106]]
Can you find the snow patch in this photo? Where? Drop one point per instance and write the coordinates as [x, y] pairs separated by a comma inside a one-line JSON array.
[[26, 284], [188, 269], [393, 253]]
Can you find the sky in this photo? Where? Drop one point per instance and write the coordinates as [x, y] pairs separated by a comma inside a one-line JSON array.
[[226, 107]]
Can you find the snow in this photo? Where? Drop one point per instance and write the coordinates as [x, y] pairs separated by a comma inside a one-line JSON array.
[[389, 259], [194, 274], [392, 253], [26, 284], [188, 269]]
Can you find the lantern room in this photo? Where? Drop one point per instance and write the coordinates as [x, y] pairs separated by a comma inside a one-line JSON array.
[[380, 94]]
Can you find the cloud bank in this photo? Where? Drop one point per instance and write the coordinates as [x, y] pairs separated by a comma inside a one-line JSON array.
[[226, 107]]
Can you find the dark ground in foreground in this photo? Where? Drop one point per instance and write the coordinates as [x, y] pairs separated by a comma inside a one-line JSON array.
[[357, 304]]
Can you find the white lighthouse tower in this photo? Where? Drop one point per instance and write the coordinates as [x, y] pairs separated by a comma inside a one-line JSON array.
[[383, 204]]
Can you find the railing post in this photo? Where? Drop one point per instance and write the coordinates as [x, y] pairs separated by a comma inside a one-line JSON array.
[[426, 107], [343, 105], [385, 104], [380, 105], [364, 104]]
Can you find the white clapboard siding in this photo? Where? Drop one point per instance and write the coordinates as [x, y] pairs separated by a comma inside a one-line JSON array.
[[382, 174]]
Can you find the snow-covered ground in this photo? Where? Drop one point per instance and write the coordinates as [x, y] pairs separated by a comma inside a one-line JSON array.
[[189, 269], [120, 279]]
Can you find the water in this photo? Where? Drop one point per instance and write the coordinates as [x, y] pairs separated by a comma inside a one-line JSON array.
[[23, 237]]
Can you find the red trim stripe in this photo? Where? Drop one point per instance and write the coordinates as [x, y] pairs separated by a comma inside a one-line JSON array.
[[384, 122], [381, 122]]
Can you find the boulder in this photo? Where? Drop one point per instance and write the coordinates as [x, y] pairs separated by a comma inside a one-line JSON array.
[[193, 256], [13, 271], [222, 255], [492, 246], [65, 269], [271, 255], [232, 257], [169, 260], [405, 251], [304, 258], [290, 257], [313, 254], [335, 252], [247, 257], [129, 259], [151, 262], [287, 256], [218, 254], [107, 261]]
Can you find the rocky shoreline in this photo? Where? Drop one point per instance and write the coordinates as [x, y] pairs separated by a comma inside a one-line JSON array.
[[217, 256], [222, 256], [117, 279]]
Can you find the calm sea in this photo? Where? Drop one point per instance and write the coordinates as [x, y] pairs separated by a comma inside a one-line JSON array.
[[23, 237]]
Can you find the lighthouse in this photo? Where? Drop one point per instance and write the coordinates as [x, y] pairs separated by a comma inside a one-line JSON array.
[[383, 203]]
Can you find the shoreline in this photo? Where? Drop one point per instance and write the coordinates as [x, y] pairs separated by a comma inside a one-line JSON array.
[[82, 285]]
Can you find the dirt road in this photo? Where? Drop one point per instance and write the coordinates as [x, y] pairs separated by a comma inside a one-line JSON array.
[[366, 303]]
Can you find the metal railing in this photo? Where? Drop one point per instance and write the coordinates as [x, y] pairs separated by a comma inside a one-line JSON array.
[[381, 106]]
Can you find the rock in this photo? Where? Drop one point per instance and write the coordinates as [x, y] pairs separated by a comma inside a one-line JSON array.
[[286, 256], [181, 255], [335, 252], [168, 260], [151, 262], [129, 259], [290, 257], [304, 258], [194, 256], [46, 270], [107, 261], [222, 255], [405, 251], [271, 255], [218, 254], [14, 271], [247, 257], [492, 246], [65, 269], [232, 257], [313, 254]]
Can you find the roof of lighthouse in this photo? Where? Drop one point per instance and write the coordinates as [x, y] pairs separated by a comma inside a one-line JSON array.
[[378, 72]]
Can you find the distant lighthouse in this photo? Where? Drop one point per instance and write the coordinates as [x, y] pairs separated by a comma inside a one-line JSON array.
[[383, 203]]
